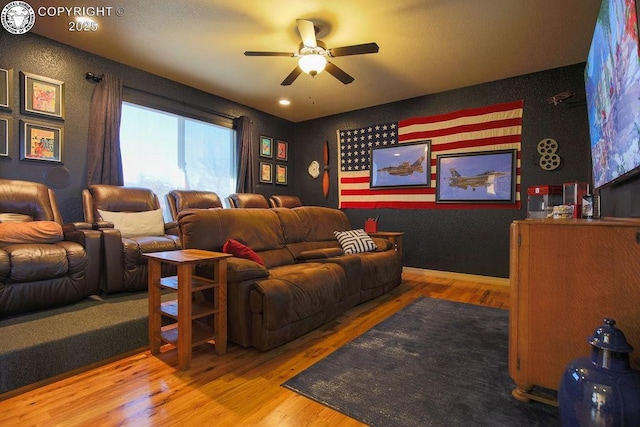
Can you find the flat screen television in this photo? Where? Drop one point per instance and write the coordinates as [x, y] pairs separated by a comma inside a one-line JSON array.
[[612, 83]]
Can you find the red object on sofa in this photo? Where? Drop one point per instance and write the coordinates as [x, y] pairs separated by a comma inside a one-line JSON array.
[[239, 250]]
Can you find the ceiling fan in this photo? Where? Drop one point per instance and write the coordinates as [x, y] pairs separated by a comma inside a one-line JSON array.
[[313, 54]]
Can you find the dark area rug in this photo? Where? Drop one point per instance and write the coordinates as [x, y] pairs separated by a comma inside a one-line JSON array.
[[434, 363], [40, 345]]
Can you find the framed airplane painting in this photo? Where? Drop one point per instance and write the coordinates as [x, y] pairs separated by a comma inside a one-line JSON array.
[[477, 177], [401, 165]]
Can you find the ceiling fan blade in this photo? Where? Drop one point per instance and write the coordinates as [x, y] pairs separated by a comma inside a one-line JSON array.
[[292, 76], [338, 73], [357, 49], [254, 53], [307, 32]]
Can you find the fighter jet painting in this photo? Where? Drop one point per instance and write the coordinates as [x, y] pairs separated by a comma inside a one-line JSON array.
[[401, 165], [483, 177], [404, 168]]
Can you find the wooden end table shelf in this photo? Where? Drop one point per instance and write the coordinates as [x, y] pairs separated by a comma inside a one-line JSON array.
[[192, 316]]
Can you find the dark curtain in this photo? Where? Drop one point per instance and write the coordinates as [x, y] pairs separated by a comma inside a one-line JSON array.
[[104, 162], [246, 158]]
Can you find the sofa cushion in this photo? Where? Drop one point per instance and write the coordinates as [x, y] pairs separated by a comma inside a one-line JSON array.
[[239, 250], [355, 241], [133, 224], [30, 232]]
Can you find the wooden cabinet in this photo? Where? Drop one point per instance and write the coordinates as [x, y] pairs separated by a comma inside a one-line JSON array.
[[566, 277], [192, 319]]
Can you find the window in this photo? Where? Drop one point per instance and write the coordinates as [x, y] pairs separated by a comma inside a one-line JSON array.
[[164, 151]]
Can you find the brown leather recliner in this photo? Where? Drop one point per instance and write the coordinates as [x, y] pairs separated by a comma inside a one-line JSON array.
[[284, 201], [179, 200], [124, 266], [247, 200], [39, 266]]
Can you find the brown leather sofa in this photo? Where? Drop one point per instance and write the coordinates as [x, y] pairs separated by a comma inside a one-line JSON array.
[[43, 262], [284, 201], [305, 281], [124, 266], [179, 200], [247, 200]]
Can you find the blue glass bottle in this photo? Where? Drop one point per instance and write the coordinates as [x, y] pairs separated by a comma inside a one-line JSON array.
[[601, 390]]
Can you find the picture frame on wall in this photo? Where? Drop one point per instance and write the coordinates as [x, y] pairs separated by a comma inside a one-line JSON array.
[[477, 177], [41, 96], [6, 83], [266, 173], [41, 142], [266, 147], [401, 165], [5, 131], [281, 174], [282, 150]]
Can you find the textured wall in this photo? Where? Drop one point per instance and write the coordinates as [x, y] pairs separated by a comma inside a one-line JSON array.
[[465, 241], [38, 55]]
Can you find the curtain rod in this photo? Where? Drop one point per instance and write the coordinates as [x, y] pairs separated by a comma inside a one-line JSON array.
[[196, 107]]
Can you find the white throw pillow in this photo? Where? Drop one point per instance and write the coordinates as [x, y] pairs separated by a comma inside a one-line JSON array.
[[355, 241], [134, 224]]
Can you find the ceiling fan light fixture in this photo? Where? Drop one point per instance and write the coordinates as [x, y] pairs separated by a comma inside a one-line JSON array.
[[312, 64]]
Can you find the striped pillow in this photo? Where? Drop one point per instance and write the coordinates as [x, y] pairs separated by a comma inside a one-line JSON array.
[[355, 241]]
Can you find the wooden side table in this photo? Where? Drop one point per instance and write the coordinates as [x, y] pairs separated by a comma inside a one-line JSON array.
[[395, 237], [191, 315]]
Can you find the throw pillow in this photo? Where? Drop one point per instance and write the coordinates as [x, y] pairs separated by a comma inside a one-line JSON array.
[[355, 241], [239, 250], [135, 224], [30, 232]]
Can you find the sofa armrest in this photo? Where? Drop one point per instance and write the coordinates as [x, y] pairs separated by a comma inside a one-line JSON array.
[[172, 227], [73, 226], [99, 225], [91, 241], [315, 254], [240, 270], [382, 244]]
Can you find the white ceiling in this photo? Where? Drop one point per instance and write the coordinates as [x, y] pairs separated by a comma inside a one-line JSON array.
[[426, 46]]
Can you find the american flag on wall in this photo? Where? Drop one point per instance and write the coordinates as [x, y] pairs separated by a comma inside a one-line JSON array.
[[495, 127]]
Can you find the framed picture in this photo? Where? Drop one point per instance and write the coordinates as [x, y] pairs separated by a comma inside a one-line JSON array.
[[478, 177], [6, 79], [401, 165], [266, 147], [5, 131], [281, 175], [42, 96], [41, 142], [266, 176], [282, 150]]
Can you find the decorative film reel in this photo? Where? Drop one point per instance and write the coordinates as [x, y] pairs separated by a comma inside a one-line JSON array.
[[549, 160], [547, 146]]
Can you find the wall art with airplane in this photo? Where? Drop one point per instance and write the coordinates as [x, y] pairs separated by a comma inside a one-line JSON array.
[[476, 177]]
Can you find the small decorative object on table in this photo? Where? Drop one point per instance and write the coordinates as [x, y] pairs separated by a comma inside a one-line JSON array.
[[601, 390], [371, 225]]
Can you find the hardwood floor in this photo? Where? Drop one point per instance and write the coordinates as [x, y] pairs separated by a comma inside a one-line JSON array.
[[240, 388]]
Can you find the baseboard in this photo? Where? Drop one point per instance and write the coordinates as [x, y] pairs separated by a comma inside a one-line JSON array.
[[458, 276]]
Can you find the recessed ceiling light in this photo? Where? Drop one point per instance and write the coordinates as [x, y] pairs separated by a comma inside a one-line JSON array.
[[284, 102]]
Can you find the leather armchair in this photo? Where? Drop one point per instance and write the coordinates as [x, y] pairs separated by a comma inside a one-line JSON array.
[[284, 201], [41, 271], [179, 200], [124, 266], [247, 200]]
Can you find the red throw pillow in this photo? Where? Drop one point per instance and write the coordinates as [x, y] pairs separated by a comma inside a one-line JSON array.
[[239, 250]]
